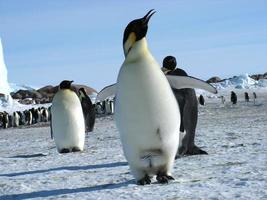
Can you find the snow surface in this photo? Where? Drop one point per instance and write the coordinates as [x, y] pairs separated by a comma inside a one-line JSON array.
[[234, 136]]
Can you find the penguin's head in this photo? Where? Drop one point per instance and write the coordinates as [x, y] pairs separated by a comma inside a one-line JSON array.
[[169, 64], [82, 93], [135, 31], [65, 84]]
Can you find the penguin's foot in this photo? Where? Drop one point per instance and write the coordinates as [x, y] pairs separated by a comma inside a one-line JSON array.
[[75, 149], [196, 151], [190, 151], [164, 178], [64, 151], [144, 181]]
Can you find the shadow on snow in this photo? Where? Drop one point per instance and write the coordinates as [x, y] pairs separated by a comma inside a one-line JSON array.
[[71, 168], [56, 192]]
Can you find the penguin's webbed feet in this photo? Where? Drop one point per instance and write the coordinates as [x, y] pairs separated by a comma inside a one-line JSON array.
[[64, 151], [144, 181], [164, 178], [76, 149]]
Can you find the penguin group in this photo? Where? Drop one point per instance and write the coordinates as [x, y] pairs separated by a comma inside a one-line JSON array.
[[154, 131], [24, 118]]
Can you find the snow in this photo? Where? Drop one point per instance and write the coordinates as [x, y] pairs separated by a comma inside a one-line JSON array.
[[241, 82], [234, 136]]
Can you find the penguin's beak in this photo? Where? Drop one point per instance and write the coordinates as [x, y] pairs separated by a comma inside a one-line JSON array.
[[147, 17]]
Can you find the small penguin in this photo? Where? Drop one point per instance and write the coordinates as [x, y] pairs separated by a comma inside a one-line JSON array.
[[21, 118], [28, 117], [246, 97], [5, 120], [44, 114], [222, 99], [67, 120], [88, 110], [201, 100], [188, 105], [254, 97], [233, 97], [16, 118]]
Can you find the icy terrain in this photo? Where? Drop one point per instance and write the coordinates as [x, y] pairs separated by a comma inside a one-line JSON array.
[[234, 136]]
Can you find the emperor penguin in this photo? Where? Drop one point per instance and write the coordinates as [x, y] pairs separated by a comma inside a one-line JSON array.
[[16, 118], [188, 105], [146, 112], [88, 110], [254, 97], [201, 100], [233, 97], [246, 97], [67, 120]]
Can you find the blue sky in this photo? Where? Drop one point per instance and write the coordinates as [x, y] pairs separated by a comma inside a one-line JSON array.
[[48, 41]]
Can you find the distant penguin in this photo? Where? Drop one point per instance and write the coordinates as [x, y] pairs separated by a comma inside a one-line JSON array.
[[28, 117], [10, 120], [67, 120], [233, 97], [44, 114], [188, 105], [201, 100], [254, 97], [15, 122], [21, 118], [108, 107], [246, 97], [5, 120], [88, 110], [222, 99]]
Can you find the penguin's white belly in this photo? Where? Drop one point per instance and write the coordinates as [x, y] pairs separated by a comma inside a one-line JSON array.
[[67, 120], [147, 114]]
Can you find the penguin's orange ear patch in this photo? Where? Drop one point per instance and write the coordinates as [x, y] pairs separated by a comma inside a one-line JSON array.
[[129, 43]]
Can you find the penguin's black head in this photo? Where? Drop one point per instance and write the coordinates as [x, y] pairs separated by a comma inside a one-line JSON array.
[[135, 30], [169, 63], [82, 92], [65, 84]]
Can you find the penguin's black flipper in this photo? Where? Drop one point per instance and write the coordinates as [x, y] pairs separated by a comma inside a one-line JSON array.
[[180, 82]]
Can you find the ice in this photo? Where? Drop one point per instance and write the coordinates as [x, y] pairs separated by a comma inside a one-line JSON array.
[[4, 86], [234, 136]]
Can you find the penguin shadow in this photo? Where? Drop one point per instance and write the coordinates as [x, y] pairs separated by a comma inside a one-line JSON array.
[[70, 168], [57, 192], [29, 156]]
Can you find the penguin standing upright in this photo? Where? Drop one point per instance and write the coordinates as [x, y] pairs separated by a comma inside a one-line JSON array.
[[148, 125], [88, 110], [16, 118], [188, 104], [201, 100], [5, 120], [246, 97], [233, 97], [222, 99], [67, 120], [254, 97]]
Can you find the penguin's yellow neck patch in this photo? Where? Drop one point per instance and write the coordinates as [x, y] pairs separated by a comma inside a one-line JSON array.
[[129, 43]]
